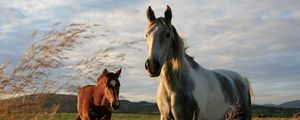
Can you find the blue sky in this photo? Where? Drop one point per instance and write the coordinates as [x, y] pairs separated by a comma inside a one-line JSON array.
[[259, 39]]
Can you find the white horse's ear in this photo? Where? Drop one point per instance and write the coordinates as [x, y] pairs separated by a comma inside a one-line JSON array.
[[119, 72], [150, 14], [168, 14]]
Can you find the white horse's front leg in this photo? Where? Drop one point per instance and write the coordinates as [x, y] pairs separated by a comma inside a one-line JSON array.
[[175, 108], [163, 102], [184, 107], [164, 109]]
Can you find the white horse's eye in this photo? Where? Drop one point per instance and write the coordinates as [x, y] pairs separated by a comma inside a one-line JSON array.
[[168, 35], [146, 35]]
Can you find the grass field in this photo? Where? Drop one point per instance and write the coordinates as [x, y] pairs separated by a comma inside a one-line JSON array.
[[123, 116], [116, 116]]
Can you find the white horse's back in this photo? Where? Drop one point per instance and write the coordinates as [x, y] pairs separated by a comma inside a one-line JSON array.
[[239, 83], [219, 93], [236, 91]]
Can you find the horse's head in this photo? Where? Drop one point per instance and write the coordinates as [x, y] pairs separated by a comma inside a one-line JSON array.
[[160, 39], [112, 87]]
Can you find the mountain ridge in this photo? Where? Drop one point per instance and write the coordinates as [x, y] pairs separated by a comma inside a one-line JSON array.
[[289, 104]]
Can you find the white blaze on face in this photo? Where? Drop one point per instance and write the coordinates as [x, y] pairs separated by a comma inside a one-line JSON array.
[[113, 83], [150, 40]]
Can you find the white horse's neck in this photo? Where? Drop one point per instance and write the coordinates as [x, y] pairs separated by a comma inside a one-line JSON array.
[[174, 73], [178, 87]]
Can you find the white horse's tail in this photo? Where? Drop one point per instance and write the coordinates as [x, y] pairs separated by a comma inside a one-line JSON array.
[[249, 86], [250, 90]]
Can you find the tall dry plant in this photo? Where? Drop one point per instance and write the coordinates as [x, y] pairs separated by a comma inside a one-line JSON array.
[[31, 74], [234, 111], [296, 116], [91, 66], [111, 56]]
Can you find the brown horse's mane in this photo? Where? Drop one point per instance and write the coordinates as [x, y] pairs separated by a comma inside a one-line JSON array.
[[103, 75], [100, 77]]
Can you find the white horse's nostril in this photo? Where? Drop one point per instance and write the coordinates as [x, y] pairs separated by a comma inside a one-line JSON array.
[[147, 64]]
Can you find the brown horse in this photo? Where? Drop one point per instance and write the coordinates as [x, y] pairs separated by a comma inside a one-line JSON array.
[[95, 101]]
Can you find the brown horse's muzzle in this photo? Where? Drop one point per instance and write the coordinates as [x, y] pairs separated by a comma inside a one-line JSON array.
[[116, 106]]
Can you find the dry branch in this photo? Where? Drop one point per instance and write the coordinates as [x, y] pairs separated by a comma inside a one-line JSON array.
[[31, 74]]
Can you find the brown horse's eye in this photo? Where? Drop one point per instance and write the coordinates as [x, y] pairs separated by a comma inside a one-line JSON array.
[[146, 35], [109, 85]]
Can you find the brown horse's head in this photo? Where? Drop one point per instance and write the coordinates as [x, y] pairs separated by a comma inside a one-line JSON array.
[[112, 87]]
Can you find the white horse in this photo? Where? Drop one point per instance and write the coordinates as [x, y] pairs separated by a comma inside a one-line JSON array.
[[188, 91]]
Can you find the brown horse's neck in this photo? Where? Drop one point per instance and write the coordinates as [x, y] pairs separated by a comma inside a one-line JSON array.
[[99, 98]]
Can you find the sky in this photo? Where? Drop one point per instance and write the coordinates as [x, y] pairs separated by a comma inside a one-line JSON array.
[[259, 39]]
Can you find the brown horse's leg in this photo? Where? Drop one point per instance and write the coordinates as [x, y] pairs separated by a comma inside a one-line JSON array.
[[78, 117], [108, 116], [85, 112], [80, 106], [85, 116]]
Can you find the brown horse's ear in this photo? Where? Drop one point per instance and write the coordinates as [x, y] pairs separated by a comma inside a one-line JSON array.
[[118, 72], [150, 14], [105, 71], [168, 14]]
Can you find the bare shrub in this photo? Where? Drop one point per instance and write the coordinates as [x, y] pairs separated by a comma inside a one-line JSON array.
[[31, 74], [234, 111], [296, 116], [106, 57]]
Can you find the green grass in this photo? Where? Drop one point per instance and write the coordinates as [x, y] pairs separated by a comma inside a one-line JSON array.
[[121, 116], [66, 116], [125, 116], [115, 116], [274, 119]]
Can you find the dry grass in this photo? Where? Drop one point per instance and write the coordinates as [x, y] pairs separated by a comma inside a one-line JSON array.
[[31, 74], [111, 56], [296, 116], [234, 111]]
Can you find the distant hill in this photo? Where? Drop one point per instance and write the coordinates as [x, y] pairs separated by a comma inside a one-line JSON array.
[[68, 103], [267, 111], [138, 107], [290, 104], [270, 105]]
